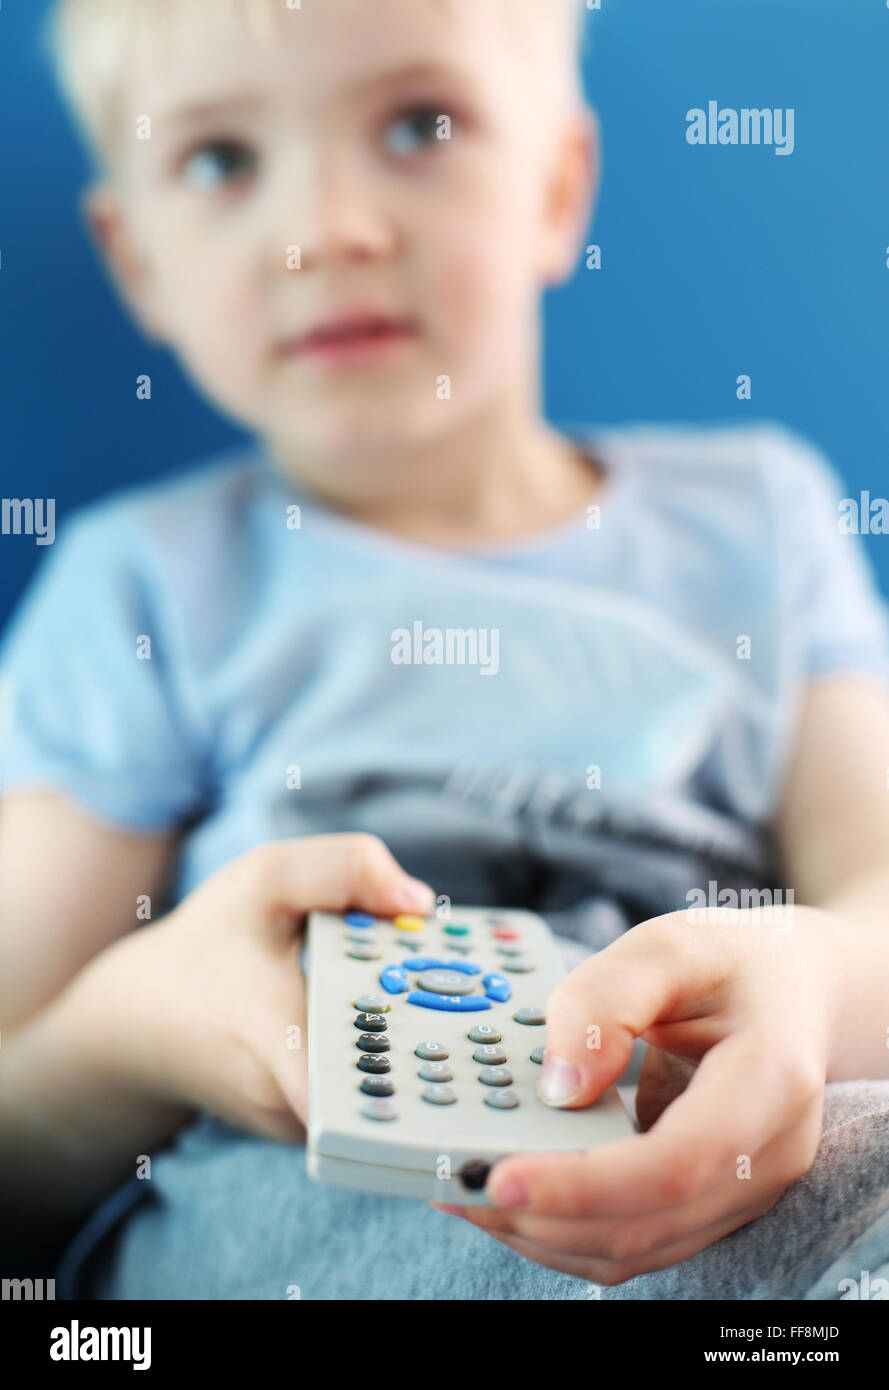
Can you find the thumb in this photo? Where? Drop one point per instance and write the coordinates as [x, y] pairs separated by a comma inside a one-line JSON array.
[[597, 1011], [287, 878]]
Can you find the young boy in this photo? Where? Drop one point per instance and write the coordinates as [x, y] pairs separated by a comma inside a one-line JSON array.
[[227, 695]]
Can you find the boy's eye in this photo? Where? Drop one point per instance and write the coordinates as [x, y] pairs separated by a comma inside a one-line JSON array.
[[415, 128], [218, 163]]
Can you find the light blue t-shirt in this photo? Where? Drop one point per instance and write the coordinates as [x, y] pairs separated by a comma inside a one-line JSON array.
[[590, 723]]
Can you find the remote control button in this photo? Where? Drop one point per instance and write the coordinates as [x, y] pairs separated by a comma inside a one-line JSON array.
[[465, 967], [502, 1100], [406, 921], [495, 1076], [439, 1095], [377, 1086], [379, 1110], [532, 1014], [359, 919], [372, 1004], [371, 1023], [407, 943], [489, 1053], [362, 938], [377, 1065], [435, 1071], [431, 1051], [372, 1042], [361, 950], [456, 930], [445, 982], [510, 950], [484, 1033], [537, 1055], [474, 1174], [506, 933], [497, 988], [394, 980], [519, 965], [453, 1003]]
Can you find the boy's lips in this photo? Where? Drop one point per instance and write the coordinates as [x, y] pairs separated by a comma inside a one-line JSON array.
[[350, 336]]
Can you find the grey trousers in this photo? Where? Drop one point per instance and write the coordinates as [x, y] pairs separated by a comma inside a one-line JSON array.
[[229, 1216]]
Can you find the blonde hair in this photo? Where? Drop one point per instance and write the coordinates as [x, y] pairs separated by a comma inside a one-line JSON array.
[[85, 42]]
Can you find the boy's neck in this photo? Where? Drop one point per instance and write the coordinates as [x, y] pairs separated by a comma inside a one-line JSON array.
[[490, 483]]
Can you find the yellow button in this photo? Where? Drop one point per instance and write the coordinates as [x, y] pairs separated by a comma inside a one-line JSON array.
[[408, 923]]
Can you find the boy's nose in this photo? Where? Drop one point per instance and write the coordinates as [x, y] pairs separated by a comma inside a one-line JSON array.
[[332, 213]]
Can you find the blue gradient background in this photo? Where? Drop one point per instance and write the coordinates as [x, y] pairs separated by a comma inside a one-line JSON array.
[[717, 261]]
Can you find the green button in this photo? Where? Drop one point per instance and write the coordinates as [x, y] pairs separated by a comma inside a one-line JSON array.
[[456, 931]]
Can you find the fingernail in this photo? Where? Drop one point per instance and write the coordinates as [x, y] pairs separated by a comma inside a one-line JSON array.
[[417, 894], [510, 1192], [559, 1081]]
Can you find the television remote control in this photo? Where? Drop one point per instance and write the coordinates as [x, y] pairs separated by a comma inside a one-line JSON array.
[[426, 1037]]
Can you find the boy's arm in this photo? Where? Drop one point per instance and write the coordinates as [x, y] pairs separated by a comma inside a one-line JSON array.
[[69, 886], [68, 889], [833, 831]]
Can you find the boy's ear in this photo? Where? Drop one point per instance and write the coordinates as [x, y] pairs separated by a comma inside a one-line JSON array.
[[101, 214], [571, 196]]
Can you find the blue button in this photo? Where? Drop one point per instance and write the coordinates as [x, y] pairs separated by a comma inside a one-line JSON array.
[[421, 963], [496, 987], [455, 1003], [394, 980], [465, 966], [359, 919]]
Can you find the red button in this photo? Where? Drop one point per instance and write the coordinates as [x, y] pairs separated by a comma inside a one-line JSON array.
[[506, 933]]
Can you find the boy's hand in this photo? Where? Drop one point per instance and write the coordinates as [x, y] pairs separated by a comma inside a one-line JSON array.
[[738, 1017], [211, 1000]]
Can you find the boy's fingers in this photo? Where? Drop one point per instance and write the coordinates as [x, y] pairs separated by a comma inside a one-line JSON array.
[[741, 1096], [330, 873], [595, 1013]]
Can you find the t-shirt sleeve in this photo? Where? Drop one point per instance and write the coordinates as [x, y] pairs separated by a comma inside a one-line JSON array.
[[88, 686], [834, 616]]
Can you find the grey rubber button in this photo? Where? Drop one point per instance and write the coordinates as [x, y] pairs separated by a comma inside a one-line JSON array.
[[410, 942], [495, 1076], [490, 1054], [440, 1095], [532, 1014], [445, 982], [435, 1071], [371, 1004], [431, 1051], [377, 1086], [537, 1055], [519, 965], [502, 1100], [361, 950], [463, 948], [380, 1110], [484, 1033]]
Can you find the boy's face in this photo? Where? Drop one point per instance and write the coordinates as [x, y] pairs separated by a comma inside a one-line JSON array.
[[322, 135]]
